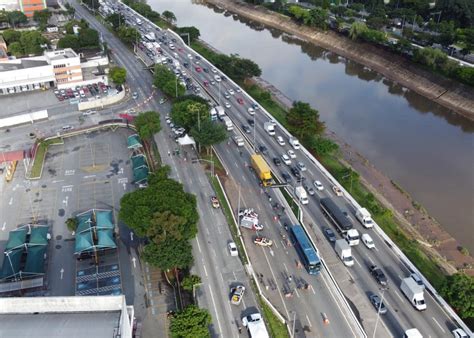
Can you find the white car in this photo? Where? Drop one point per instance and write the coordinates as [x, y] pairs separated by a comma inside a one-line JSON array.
[[231, 92], [233, 249], [367, 240], [280, 141], [291, 153], [318, 185], [238, 90], [251, 111], [214, 70], [301, 166], [227, 104], [217, 78], [190, 57], [286, 159], [89, 112]]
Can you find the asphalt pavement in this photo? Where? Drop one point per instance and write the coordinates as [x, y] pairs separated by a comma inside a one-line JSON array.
[[213, 263]]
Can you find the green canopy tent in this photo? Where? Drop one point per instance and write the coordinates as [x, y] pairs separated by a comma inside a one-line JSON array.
[[11, 263], [35, 260], [16, 238], [133, 142]]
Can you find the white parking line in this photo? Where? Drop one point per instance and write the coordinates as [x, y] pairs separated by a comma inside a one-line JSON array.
[[434, 319]]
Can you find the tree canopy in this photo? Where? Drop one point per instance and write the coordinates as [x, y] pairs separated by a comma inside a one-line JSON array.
[[209, 133], [11, 35], [89, 38], [128, 35], [118, 75], [186, 113], [165, 214], [166, 80], [16, 18], [169, 16], [69, 41], [193, 32], [116, 20], [303, 121], [70, 24], [458, 291], [191, 322], [147, 124], [42, 17]]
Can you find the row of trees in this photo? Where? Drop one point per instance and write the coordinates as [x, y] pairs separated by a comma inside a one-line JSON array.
[[86, 38], [13, 18], [316, 17], [24, 43]]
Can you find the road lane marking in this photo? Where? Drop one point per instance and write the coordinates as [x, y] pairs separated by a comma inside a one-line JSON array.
[[58, 181], [357, 262], [4, 226], [370, 259], [399, 296], [434, 319], [199, 245], [286, 269], [88, 176], [11, 201], [297, 293], [215, 307], [309, 322], [205, 270]]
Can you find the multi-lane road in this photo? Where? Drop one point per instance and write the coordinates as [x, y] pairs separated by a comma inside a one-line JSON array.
[[219, 270], [356, 282]]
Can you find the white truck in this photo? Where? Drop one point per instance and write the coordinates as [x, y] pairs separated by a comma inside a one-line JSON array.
[[301, 194], [220, 112], [228, 123], [363, 215], [343, 250], [255, 325], [269, 128], [293, 141], [414, 293], [150, 36], [352, 237]]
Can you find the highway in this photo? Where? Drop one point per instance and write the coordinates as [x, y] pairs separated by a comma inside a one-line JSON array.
[[356, 282], [218, 270]]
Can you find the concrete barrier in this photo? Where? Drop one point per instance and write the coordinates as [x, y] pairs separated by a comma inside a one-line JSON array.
[[100, 103]]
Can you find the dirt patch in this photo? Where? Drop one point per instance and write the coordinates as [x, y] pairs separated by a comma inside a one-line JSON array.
[[446, 92]]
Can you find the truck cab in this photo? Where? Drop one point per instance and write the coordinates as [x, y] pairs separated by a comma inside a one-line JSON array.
[[352, 237]]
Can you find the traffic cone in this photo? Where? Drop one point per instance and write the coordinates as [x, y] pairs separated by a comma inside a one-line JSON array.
[[325, 319]]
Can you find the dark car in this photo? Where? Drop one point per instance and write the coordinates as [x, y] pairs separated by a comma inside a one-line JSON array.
[[251, 122], [205, 70], [309, 189], [277, 161], [223, 78], [330, 235], [197, 57], [263, 150], [378, 304], [185, 64], [296, 172], [246, 129], [378, 275], [286, 177]]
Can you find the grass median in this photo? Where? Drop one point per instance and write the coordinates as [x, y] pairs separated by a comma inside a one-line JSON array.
[[40, 155], [275, 326]]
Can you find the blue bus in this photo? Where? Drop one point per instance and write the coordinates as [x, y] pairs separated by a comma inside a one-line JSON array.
[[308, 254]]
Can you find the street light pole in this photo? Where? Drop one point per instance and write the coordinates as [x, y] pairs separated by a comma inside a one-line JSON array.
[[378, 312], [254, 137], [294, 324]]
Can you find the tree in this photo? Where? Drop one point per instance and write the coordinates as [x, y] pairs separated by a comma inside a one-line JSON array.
[[147, 124], [169, 254], [169, 16], [165, 225], [322, 146], [431, 57], [191, 322], [318, 17], [89, 38], [186, 113], [357, 29], [128, 35], [191, 30], [460, 11], [42, 17], [458, 290], [118, 75], [300, 14], [15, 49], [190, 281], [71, 224], [69, 41], [303, 121], [209, 133], [466, 75], [166, 80], [16, 18], [70, 10], [11, 35], [116, 20], [31, 42]]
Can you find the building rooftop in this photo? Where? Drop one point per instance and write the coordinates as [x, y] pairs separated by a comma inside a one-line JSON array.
[[71, 325], [21, 64], [61, 54]]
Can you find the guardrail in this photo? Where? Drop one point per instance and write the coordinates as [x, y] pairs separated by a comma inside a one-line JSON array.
[[447, 308]]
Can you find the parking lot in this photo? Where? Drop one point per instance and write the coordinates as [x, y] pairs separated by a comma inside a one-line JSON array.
[[87, 171], [85, 92], [28, 101]]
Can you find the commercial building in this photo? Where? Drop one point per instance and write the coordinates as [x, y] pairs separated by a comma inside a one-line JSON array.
[[81, 317], [29, 7], [9, 5], [62, 68]]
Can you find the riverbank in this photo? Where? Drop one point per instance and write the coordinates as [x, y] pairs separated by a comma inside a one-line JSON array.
[[448, 93]]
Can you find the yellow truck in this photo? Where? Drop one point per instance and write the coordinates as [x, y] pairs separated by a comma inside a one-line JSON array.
[[262, 169]]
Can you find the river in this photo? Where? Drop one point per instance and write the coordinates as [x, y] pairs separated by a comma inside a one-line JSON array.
[[425, 148]]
